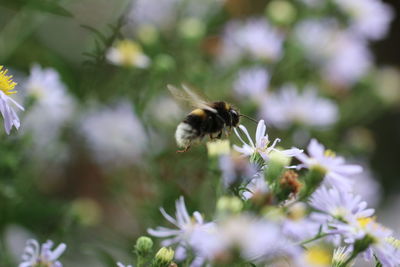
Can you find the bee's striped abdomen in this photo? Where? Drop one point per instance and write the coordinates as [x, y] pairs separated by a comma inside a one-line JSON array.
[[185, 134], [189, 130]]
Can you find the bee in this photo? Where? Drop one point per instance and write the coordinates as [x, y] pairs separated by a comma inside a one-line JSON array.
[[207, 119]]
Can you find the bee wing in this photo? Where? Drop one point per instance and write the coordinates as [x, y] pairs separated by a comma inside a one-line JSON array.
[[187, 95]]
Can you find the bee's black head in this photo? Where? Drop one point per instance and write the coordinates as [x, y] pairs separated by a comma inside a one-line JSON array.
[[234, 117]]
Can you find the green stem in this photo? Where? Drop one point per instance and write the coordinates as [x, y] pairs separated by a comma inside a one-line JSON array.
[[319, 236]]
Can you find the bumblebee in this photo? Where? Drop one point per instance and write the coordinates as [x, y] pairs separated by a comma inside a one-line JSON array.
[[208, 118]]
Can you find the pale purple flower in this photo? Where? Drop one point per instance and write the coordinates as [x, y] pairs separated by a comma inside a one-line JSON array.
[[185, 225], [252, 82], [336, 206], [115, 136], [297, 225], [52, 109], [163, 14], [380, 246], [257, 186], [254, 38], [236, 170], [256, 239], [36, 255], [368, 18], [337, 171], [289, 107], [158, 13], [262, 144], [342, 57], [367, 186]]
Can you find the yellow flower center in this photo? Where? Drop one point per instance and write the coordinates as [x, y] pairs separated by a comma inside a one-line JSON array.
[[129, 50], [318, 256], [329, 153], [7, 85], [363, 222], [297, 212]]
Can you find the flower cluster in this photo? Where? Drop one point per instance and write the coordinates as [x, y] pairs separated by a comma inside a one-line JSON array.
[[279, 214]]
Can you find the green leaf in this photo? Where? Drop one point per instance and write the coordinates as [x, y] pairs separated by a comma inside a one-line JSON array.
[[49, 6]]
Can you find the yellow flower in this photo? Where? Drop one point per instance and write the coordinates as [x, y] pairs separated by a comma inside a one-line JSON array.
[[7, 85], [318, 256]]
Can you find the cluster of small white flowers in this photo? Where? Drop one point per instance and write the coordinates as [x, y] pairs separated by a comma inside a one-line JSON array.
[[53, 107], [163, 14], [252, 82], [332, 211], [186, 227], [288, 107], [114, 134], [254, 38], [343, 56]]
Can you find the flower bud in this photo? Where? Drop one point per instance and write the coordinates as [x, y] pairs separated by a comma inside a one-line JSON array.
[[143, 246], [312, 180], [229, 205], [280, 158], [218, 147], [192, 28], [164, 62], [276, 165], [289, 185], [163, 257], [147, 34], [281, 12]]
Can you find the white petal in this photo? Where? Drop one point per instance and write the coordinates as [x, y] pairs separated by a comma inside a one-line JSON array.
[[261, 129], [57, 252]]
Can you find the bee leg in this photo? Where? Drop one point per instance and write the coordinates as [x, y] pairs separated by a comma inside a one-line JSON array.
[[183, 150], [219, 135]]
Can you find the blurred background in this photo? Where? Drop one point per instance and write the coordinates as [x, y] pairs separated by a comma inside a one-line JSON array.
[[95, 156]]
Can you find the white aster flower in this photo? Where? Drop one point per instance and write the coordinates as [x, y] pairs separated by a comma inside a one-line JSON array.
[[367, 186], [236, 170], [252, 82], [262, 145], [52, 109], [256, 187], [256, 239], [163, 14], [127, 53], [297, 225], [378, 237], [337, 171], [114, 134], [7, 87], [186, 226], [288, 107], [369, 18], [36, 255], [159, 13], [338, 206], [254, 38], [342, 56]]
